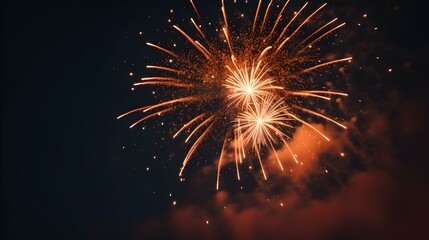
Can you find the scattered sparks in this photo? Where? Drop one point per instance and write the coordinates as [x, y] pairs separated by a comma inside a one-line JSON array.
[[244, 84]]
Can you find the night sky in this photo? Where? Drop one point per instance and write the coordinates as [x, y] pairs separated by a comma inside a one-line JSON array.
[[71, 170]]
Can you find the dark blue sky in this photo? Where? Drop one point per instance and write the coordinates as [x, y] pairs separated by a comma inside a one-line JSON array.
[[65, 79]]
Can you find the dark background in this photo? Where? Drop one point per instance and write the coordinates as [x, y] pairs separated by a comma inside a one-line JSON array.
[[70, 170]]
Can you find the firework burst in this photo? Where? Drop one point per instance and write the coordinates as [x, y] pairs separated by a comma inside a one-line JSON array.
[[258, 122], [248, 82]]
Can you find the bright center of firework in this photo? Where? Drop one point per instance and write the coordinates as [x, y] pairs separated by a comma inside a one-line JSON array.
[[259, 123], [248, 84], [249, 90]]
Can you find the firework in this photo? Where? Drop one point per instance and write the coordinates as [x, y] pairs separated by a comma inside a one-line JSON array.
[[260, 123], [248, 82], [248, 85]]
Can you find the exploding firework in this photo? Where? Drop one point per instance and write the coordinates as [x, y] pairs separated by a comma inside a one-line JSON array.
[[249, 81]]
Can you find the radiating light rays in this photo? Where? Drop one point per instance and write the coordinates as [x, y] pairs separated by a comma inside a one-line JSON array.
[[208, 120], [225, 29], [186, 125], [309, 125], [289, 149], [194, 147], [306, 20], [152, 115], [235, 85], [166, 81], [278, 19], [196, 44], [199, 30], [320, 115], [300, 26], [248, 84], [264, 52], [316, 94], [320, 37], [290, 22], [318, 30], [147, 108]]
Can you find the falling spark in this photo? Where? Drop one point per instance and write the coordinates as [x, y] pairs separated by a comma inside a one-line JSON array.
[[195, 8], [247, 84], [326, 64], [162, 49]]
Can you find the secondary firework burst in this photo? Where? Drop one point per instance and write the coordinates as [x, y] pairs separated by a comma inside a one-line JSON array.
[[246, 82]]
